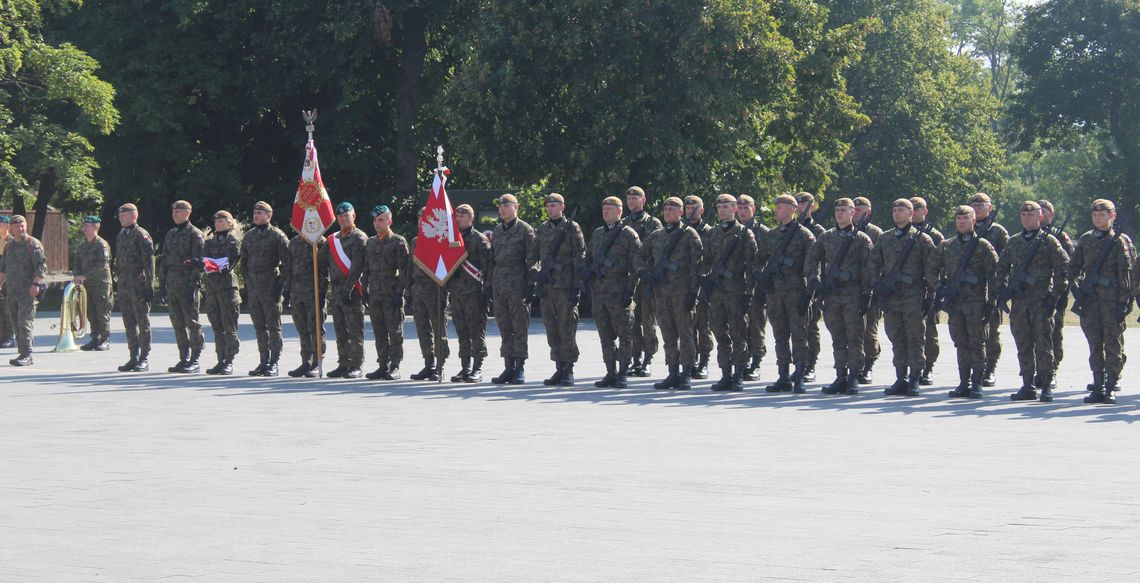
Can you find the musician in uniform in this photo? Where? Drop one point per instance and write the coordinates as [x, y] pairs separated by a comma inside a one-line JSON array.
[[93, 271]]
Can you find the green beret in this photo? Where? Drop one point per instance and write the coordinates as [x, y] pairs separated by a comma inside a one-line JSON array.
[[92, 220], [344, 207], [379, 210], [5, 219]]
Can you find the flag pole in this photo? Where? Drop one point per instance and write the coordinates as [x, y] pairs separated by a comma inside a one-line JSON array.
[[318, 328], [441, 334]]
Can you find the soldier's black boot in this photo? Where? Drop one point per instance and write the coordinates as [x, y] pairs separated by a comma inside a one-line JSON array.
[[670, 382], [24, 359], [701, 371], [976, 383], [192, 364], [508, 372], [374, 375], [353, 372], [725, 382], [427, 373], [556, 377], [311, 372], [338, 372], [130, 364], [101, 345], [1110, 392], [912, 384], [260, 370], [300, 370], [181, 364], [838, 385], [10, 342], [143, 363], [808, 375], [520, 373], [273, 368], [645, 371], [464, 370], [636, 364], [620, 381], [89, 346], [988, 379], [963, 389], [865, 376], [607, 381], [683, 376], [1027, 392], [567, 375], [783, 382], [216, 369], [900, 386], [925, 380], [738, 378], [1047, 384], [392, 373], [752, 373], [476, 374], [798, 378], [852, 387]]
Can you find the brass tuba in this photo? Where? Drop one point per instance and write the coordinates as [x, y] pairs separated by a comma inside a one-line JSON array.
[[72, 317]]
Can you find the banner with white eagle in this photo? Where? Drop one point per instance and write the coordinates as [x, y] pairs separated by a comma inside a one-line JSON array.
[[439, 245]]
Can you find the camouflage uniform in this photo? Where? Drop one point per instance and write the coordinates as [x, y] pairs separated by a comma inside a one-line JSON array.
[[902, 310], [558, 284], [815, 315], [675, 294], [612, 293], [730, 298], [264, 250], [874, 316], [179, 276], [842, 303], [1062, 304], [6, 332], [787, 301], [515, 252], [704, 335], [1031, 308], [644, 341], [757, 316], [347, 305], [388, 260], [24, 261], [930, 347], [427, 301], [93, 262], [971, 307], [469, 303], [992, 231], [1101, 319], [305, 301], [134, 276], [222, 299]]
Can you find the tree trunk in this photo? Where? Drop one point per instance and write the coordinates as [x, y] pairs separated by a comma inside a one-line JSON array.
[[18, 207], [44, 195], [413, 50]]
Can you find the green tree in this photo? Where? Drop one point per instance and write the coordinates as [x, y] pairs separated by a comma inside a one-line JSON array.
[[50, 102], [984, 29]]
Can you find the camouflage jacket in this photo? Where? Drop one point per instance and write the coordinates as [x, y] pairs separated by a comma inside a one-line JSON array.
[[24, 261], [617, 268], [917, 276], [134, 259], [852, 276], [681, 270], [736, 277], [387, 260], [789, 274], [181, 247], [353, 242], [298, 268], [1113, 281], [478, 249], [264, 251], [93, 261], [514, 251], [1045, 274], [980, 278], [704, 230], [560, 266], [872, 230], [217, 246], [993, 232]]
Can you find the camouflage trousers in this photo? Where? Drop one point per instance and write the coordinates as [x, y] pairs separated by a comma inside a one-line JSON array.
[[644, 325], [512, 316], [788, 317], [348, 324], [1058, 337], [469, 314], [428, 313], [22, 308], [993, 339], [560, 318], [704, 333], [183, 303], [677, 333], [812, 326], [757, 322], [1033, 334], [969, 332], [222, 309], [305, 321], [615, 326], [136, 320], [1105, 334], [871, 348], [387, 329], [846, 326], [930, 347], [906, 329], [5, 315], [729, 323], [98, 310], [265, 311]]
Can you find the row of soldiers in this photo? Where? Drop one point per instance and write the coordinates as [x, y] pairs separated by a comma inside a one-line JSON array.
[[693, 280]]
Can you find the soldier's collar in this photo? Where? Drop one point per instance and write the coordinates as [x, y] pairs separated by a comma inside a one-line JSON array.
[[262, 227], [1029, 234], [181, 226], [508, 224], [1099, 234], [558, 221], [611, 226], [728, 224], [384, 235], [671, 226], [966, 236], [346, 230], [636, 216]]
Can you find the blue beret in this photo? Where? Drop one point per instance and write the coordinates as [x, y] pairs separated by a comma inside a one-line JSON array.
[[344, 207], [379, 210]]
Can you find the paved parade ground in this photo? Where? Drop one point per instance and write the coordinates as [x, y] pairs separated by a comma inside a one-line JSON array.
[[108, 476]]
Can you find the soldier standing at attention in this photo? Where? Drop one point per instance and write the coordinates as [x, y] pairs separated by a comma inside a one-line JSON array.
[[179, 280], [967, 285], [1031, 272], [515, 252], [757, 319], [728, 290], [421, 293], [930, 346], [805, 206], [1047, 214], [468, 302], [561, 248], [644, 320], [610, 274], [134, 275], [303, 301], [264, 252], [873, 314], [7, 338], [93, 272], [695, 217], [671, 260], [837, 269], [1102, 289], [346, 252], [987, 228], [222, 299], [387, 261], [23, 269], [902, 274], [779, 267]]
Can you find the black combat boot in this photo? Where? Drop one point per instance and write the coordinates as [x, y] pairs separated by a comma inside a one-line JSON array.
[[838, 385], [925, 379], [808, 375], [194, 364], [636, 366], [464, 370], [300, 370], [976, 383], [1046, 385], [89, 346], [273, 369], [374, 375], [683, 382], [427, 373], [963, 389], [353, 372], [520, 373], [143, 363], [900, 386], [476, 374], [216, 369], [130, 364], [1110, 392], [738, 378], [620, 381], [645, 371], [181, 364], [23, 359], [725, 382], [100, 346], [556, 377], [10, 342], [852, 387], [313, 371], [670, 382], [752, 373], [508, 372], [567, 375], [393, 372], [988, 379], [701, 371], [912, 383], [865, 376], [608, 381], [1027, 392], [337, 372], [798, 378], [264, 362], [783, 382]]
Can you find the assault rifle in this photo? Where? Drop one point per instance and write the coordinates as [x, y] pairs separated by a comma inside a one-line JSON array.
[[766, 277], [1086, 290], [594, 268], [712, 280], [889, 285], [830, 281], [656, 274], [948, 293]]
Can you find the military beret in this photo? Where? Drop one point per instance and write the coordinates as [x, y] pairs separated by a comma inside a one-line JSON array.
[[917, 202], [379, 210], [725, 199], [964, 210], [694, 199], [612, 201], [17, 220], [223, 215], [844, 202], [673, 201], [344, 207], [903, 203], [745, 199], [92, 220], [980, 198], [261, 205], [554, 197], [130, 206], [786, 199], [464, 209], [635, 191], [1100, 204], [5, 219], [181, 205], [1030, 206], [862, 201], [1046, 205], [805, 197], [507, 199]]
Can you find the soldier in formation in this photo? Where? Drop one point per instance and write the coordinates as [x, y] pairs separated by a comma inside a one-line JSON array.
[[988, 229], [561, 249], [780, 284], [469, 303], [728, 290], [427, 300], [134, 278], [1047, 216], [345, 252], [874, 315], [695, 218], [179, 283], [93, 271], [930, 344], [805, 206], [306, 275], [757, 317], [514, 252], [386, 273], [609, 273], [264, 253], [23, 269], [222, 300], [644, 318]]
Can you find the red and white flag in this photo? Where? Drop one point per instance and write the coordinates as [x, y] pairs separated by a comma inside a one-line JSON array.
[[439, 245], [215, 264], [312, 209]]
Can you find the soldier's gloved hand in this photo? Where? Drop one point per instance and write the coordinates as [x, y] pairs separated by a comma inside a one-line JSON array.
[[864, 304], [745, 301], [278, 288], [690, 301], [194, 262], [161, 294], [538, 276], [531, 297], [397, 302], [287, 299], [1122, 310], [575, 296]]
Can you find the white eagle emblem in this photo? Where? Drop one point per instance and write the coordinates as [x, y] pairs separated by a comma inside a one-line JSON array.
[[436, 227]]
